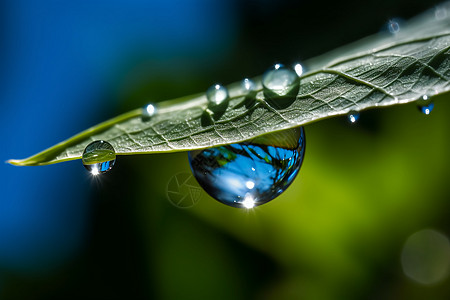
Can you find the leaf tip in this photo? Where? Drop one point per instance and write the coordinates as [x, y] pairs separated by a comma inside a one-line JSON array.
[[15, 162]]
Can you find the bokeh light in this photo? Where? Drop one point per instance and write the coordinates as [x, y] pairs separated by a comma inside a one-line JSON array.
[[426, 257]]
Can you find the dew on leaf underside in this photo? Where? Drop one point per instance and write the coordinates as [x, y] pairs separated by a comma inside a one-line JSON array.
[[425, 105], [353, 116], [249, 174], [99, 157]]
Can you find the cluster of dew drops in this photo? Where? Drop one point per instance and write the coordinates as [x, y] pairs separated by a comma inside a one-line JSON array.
[[242, 175]]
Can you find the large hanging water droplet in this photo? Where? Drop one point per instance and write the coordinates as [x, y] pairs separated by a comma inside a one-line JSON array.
[[217, 94], [252, 173], [99, 157], [148, 111], [279, 80], [425, 105], [353, 116]]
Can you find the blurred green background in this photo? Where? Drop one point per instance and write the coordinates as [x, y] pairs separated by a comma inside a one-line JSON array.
[[337, 233]]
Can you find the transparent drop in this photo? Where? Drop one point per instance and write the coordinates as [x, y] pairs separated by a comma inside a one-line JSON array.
[[279, 80], [99, 157], [252, 173], [248, 85], [148, 111], [217, 94], [353, 116], [440, 12], [298, 68], [425, 105], [393, 26]]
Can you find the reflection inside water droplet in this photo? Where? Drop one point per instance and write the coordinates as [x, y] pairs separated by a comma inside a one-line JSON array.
[[353, 116], [217, 94], [252, 173], [99, 157], [250, 184]]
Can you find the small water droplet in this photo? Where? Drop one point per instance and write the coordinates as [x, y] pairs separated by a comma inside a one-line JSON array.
[[353, 116], [248, 85], [217, 94], [393, 26], [252, 173], [426, 109], [425, 105], [298, 69], [440, 12], [148, 111], [99, 157], [280, 80]]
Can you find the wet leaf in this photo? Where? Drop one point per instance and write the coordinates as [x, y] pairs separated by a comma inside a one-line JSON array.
[[381, 70]]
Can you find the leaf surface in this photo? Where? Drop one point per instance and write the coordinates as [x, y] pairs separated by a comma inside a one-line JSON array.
[[381, 70]]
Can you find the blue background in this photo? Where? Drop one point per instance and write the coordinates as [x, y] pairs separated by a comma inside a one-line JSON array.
[[61, 62]]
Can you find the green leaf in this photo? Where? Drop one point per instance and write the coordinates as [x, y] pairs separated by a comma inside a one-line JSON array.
[[381, 70]]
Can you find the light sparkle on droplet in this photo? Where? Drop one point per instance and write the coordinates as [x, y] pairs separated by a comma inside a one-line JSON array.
[[150, 109], [95, 171], [248, 202], [298, 69]]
